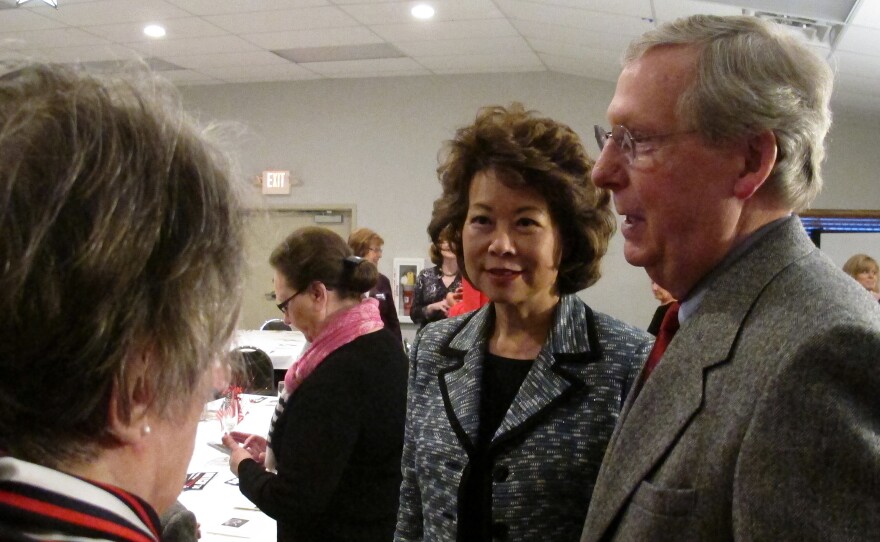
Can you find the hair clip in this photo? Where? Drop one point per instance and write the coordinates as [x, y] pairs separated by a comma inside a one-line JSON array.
[[352, 261]]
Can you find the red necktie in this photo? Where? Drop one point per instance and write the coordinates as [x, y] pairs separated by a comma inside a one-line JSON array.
[[667, 330]]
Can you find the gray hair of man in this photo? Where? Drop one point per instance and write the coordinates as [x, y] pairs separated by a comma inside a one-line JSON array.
[[121, 245], [753, 76]]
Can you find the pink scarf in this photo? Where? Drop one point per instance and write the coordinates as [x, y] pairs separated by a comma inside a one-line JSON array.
[[342, 329]]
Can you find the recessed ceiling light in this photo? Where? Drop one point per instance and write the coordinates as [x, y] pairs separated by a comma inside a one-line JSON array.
[[422, 11], [154, 31]]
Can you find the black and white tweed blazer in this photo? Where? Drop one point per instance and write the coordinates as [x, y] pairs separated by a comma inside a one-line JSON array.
[[547, 451]]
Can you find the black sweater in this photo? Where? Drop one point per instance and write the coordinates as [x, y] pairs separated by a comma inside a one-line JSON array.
[[338, 445]]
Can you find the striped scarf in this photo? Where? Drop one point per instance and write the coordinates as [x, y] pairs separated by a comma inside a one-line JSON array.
[[343, 328]]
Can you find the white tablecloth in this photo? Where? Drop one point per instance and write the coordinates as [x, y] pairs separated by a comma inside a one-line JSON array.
[[223, 512], [284, 347]]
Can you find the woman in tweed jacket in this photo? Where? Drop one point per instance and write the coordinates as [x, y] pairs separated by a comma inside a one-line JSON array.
[[510, 408]]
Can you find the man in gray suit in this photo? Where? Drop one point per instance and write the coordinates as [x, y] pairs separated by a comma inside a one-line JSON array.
[[762, 419]]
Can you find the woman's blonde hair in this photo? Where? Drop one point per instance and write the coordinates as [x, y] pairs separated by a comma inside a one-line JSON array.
[[861, 263]]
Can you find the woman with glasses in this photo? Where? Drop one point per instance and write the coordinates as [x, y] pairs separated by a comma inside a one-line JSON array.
[[368, 245], [511, 407], [330, 468]]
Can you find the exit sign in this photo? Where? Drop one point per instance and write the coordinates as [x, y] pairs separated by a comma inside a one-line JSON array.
[[276, 182]]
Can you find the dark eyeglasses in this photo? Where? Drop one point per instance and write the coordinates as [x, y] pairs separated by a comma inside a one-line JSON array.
[[283, 305], [628, 143]]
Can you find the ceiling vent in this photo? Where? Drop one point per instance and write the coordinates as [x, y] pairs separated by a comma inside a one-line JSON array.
[[815, 31]]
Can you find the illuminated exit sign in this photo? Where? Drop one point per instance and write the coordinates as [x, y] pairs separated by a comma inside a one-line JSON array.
[[276, 182]]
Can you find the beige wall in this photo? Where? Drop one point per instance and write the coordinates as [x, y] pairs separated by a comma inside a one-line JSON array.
[[373, 143]]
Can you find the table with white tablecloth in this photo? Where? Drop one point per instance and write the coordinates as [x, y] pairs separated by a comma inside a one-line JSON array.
[[223, 512]]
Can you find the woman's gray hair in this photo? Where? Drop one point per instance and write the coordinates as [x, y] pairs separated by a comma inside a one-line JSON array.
[[753, 76], [121, 239]]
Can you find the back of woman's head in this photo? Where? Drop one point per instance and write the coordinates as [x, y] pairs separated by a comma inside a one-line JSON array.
[[121, 241], [317, 254]]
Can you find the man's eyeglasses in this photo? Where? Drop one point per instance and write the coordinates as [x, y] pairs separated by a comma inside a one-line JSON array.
[[628, 143], [376, 250], [283, 305]]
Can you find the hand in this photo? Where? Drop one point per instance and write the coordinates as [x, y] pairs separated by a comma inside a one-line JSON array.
[[256, 446], [454, 297], [440, 306], [238, 453]]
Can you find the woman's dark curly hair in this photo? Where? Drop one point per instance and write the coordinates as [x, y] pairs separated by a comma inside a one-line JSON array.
[[540, 154]]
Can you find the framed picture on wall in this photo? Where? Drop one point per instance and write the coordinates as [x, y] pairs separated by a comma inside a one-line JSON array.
[[403, 284]]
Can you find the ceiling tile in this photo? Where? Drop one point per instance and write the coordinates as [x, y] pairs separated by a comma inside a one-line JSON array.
[[445, 10], [217, 7], [188, 76], [215, 60], [669, 10], [340, 53], [313, 38], [490, 28], [114, 11], [285, 20], [632, 8], [611, 43], [194, 46], [15, 20], [265, 73], [379, 65], [87, 53], [466, 46], [55, 37], [185, 27], [577, 18], [487, 63], [583, 54]]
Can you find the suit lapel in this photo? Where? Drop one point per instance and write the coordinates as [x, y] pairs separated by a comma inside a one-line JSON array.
[[654, 418], [461, 387], [546, 383], [461, 382], [541, 388]]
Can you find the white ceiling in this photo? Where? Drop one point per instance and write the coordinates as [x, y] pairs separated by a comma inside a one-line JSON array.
[[231, 41]]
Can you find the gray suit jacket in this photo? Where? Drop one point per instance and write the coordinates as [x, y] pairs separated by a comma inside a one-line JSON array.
[[547, 451], [762, 420]]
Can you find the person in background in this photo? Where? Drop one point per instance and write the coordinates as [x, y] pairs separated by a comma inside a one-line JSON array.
[[330, 469], [864, 269], [510, 407], [666, 300], [437, 288], [368, 245], [121, 243], [759, 420]]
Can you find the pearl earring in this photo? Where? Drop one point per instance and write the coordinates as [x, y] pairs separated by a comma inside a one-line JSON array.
[[145, 430]]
